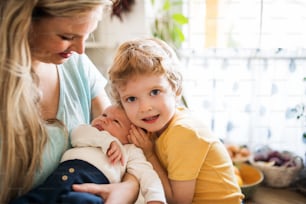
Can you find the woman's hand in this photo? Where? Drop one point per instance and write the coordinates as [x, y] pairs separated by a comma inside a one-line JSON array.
[[141, 139], [117, 193]]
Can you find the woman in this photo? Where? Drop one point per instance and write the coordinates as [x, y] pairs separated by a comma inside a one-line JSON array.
[[44, 76]]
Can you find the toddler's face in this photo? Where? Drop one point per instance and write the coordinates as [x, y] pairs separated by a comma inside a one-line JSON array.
[[115, 121], [149, 101]]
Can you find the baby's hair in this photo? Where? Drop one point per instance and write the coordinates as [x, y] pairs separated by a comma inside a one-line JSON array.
[[144, 56]]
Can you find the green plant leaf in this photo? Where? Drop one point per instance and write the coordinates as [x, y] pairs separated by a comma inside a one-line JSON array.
[[179, 34], [168, 22], [180, 18], [176, 2], [167, 5]]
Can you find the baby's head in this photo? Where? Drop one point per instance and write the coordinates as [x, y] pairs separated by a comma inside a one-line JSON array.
[[114, 120]]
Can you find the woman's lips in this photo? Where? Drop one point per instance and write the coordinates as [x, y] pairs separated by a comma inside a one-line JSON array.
[[65, 54]]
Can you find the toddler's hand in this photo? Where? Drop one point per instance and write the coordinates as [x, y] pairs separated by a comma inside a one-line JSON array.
[[143, 140]]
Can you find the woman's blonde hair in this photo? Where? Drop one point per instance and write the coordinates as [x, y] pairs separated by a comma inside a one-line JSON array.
[[22, 130], [143, 56]]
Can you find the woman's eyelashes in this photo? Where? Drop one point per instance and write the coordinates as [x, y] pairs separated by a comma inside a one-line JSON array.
[[66, 37]]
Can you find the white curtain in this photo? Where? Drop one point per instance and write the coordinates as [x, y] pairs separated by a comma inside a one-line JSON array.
[[246, 95]]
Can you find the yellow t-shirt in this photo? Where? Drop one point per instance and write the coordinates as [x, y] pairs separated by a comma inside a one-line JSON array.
[[189, 151]]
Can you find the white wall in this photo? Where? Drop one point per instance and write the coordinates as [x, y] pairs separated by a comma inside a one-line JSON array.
[[111, 32]]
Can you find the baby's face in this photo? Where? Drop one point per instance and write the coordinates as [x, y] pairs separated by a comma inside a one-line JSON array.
[[114, 121]]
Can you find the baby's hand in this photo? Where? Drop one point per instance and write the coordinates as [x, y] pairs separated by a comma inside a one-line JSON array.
[[114, 153]]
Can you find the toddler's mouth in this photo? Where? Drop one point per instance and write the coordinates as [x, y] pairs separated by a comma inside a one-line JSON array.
[[151, 119]]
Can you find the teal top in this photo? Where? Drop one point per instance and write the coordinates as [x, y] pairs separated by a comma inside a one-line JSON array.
[[80, 82]]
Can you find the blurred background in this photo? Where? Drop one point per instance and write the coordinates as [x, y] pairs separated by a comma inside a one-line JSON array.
[[244, 62]]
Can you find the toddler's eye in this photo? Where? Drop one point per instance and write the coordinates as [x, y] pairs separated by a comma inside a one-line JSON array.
[[131, 99], [155, 92]]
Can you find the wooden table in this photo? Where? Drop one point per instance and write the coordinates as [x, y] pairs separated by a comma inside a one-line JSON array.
[[267, 195]]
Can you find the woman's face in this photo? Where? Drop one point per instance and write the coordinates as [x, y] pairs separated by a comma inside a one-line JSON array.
[[52, 40]]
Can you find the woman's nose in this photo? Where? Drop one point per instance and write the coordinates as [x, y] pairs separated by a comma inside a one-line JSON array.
[[79, 46]]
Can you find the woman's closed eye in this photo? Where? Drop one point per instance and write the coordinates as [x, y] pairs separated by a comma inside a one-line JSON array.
[[66, 37]]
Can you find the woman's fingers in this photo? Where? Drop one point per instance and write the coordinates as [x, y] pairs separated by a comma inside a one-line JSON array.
[[92, 188], [123, 192]]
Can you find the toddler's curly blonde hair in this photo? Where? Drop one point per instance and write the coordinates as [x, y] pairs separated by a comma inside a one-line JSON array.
[[143, 56]]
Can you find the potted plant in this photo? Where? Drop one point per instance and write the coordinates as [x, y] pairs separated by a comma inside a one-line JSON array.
[[168, 21]]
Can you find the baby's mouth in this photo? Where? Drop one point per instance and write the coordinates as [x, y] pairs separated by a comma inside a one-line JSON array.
[[99, 127]]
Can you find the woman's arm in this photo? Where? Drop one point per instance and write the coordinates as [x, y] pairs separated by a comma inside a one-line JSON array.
[[117, 193]]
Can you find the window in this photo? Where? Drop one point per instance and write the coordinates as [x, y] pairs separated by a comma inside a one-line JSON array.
[[245, 23], [246, 69]]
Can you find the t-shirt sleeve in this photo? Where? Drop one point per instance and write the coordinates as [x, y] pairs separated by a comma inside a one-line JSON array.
[[96, 79], [186, 154]]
